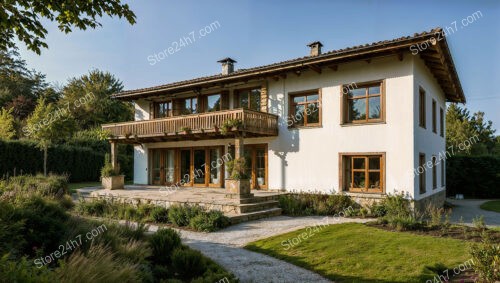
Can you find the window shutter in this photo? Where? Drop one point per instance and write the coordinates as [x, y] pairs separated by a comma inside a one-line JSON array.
[[224, 100], [263, 97]]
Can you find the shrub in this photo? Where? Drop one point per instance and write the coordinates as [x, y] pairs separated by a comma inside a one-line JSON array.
[[51, 186], [399, 214], [163, 243], [486, 258], [43, 220], [297, 204], [397, 205], [180, 215], [24, 271], [92, 208], [22, 157], [378, 210], [188, 263], [482, 175], [404, 222], [209, 221], [100, 264], [159, 214]]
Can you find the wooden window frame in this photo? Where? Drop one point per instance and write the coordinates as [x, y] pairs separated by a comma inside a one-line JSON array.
[[434, 172], [238, 92], [441, 121], [422, 185], [422, 108], [345, 103], [434, 116], [205, 98], [170, 112], [292, 105], [342, 178], [197, 110]]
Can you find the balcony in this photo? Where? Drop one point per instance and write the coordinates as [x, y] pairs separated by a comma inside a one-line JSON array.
[[194, 127]]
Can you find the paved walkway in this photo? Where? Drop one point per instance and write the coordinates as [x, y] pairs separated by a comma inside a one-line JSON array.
[[225, 248], [468, 209]]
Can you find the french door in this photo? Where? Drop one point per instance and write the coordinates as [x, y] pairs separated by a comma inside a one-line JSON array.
[[256, 164], [198, 166], [163, 167]]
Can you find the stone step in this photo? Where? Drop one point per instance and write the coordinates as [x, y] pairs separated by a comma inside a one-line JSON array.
[[238, 218], [252, 207]]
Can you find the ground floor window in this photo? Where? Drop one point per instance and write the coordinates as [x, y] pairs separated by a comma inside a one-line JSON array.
[[362, 172], [421, 176]]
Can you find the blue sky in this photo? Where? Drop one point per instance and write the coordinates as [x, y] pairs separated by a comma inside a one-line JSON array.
[[261, 32]]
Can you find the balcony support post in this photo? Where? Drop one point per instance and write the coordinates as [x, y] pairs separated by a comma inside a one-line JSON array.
[[114, 155], [239, 150]]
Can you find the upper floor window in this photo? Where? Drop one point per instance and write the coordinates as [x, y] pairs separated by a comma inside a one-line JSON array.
[[305, 109], [441, 122], [364, 104], [162, 109], [190, 106], [421, 107], [213, 102], [434, 116], [248, 99]]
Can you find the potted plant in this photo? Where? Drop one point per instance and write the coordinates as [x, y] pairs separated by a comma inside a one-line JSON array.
[[186, 130], [238, 181], [231, 125], [111, 179]]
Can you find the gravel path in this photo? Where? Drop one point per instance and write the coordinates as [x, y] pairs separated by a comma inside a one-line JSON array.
[[225, 248], [469, 209]]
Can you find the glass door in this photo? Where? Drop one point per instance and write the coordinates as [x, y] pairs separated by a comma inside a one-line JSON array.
[[169, 166], [260, 167], [215, 166], [199, 166], [185, 169], [156, 167]]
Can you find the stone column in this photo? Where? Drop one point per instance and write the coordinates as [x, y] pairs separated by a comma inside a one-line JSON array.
[[114, 155], [238, 146]]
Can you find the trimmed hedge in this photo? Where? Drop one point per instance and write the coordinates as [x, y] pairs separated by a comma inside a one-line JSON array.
[[473, 176], [80, 163]]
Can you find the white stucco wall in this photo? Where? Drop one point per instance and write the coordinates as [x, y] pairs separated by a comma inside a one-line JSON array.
[[426, 141], [141, 107], [307, 159]]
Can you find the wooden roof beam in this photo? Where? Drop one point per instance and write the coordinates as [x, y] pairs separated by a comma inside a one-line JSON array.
[[315, 68]]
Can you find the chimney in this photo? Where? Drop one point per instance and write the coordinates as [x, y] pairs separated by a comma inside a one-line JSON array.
[[227, 65], [315, 48]]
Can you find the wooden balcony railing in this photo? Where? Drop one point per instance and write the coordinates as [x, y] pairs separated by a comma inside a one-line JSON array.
[[254, 122]]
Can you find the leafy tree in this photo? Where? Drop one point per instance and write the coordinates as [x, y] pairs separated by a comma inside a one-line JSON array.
[[90, 102], [21, 106], [7, 130], [47, 125], [22, 18], [16, 80], [461, 126]]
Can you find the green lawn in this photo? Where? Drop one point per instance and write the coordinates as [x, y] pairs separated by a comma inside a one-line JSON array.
[[493, 205], [357, 253]]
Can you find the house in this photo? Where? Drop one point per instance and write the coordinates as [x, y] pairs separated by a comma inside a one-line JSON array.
[[366, 121]]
